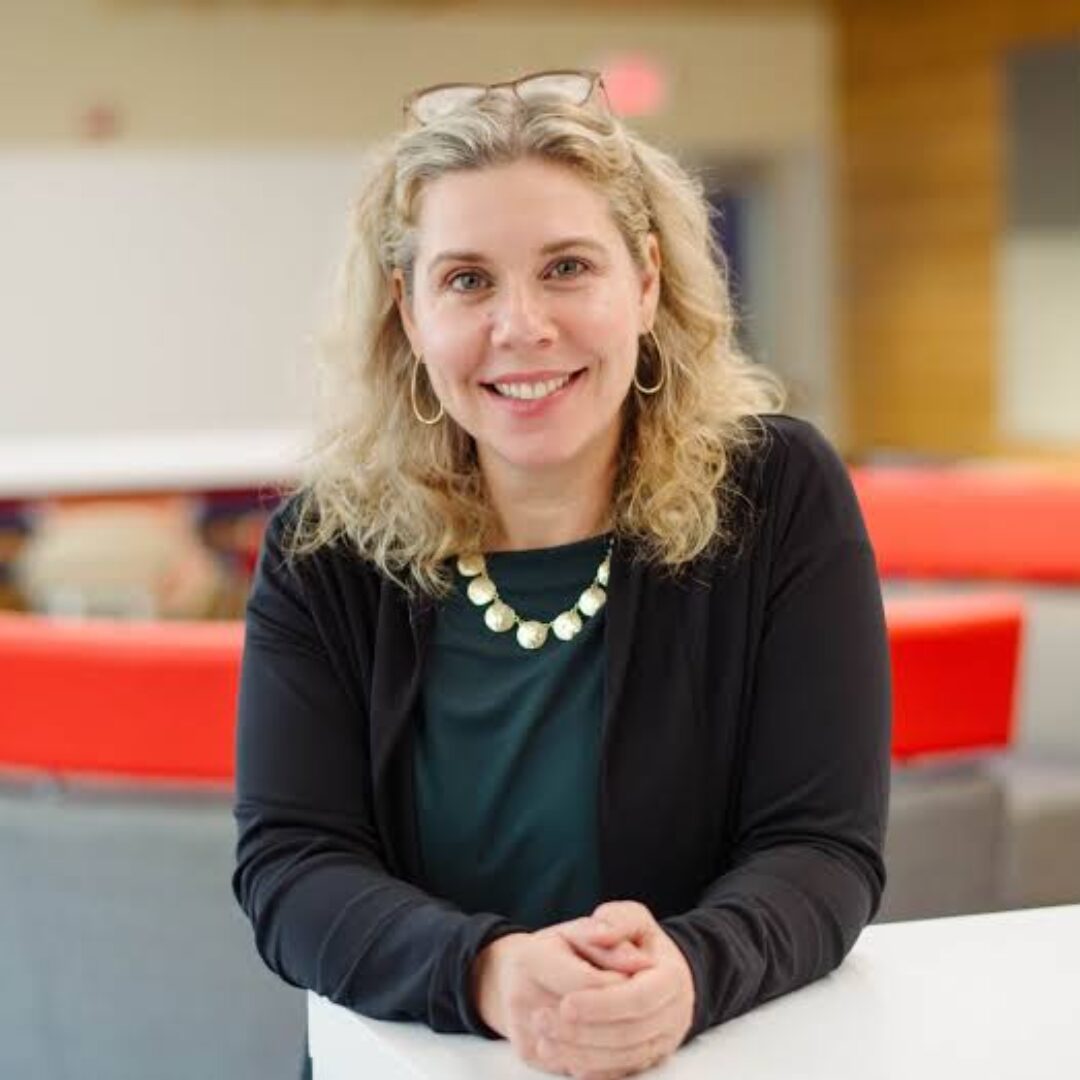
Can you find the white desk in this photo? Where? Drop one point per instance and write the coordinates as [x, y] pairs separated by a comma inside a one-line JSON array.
[[979, 996]]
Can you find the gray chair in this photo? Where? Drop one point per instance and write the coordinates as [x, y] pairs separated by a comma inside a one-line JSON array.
[[944, 842], [125, 956], [1041, 859]]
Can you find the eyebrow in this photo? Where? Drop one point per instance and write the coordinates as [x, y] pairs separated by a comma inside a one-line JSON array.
[[548, 249]]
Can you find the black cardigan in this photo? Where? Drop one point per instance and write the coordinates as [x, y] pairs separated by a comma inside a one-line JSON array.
[[744, 778]]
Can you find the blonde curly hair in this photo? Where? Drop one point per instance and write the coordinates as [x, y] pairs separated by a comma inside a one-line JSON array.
[[406, 496]]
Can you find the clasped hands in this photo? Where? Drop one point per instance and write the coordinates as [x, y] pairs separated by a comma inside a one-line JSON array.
[[596, 998]]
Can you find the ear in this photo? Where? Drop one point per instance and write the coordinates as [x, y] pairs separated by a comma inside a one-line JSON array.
[[404, 306], [650, 283]]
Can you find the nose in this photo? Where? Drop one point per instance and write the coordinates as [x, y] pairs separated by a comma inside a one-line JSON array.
[[520, 319]]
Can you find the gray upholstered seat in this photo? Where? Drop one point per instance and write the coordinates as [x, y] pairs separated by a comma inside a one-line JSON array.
[[125, 956], [943, 847], [1041, 860]]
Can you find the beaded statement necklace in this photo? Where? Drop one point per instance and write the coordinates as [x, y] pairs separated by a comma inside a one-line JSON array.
[[532, 633]]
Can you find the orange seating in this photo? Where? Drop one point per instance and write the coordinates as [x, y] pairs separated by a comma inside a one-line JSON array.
[[1006, 523], [955, 661], [154, 700]]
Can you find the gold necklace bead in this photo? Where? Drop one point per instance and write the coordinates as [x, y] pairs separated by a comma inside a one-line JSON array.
[[499, 617], [567, 625], [471, 565], [481, 590], [532, 634], [591, 600]]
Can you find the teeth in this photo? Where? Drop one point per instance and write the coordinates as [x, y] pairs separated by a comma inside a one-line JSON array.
[[529, 391]]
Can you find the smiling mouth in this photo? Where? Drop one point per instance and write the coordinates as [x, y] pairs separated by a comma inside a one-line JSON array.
[[519, 391]]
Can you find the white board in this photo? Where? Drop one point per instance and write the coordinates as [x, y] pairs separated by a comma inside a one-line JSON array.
[[164, 294]]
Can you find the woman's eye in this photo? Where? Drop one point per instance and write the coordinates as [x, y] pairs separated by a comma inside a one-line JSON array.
[[568, 268], [466, 281]]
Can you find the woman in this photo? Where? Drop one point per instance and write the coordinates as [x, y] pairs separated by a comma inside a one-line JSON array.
[[564, 710]]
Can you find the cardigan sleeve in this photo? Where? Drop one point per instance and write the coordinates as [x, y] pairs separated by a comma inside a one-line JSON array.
[[807, 872], [310, 872]]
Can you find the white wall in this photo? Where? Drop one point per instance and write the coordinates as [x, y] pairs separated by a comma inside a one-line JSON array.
[[1039, 257], [1040, 335], [150, 291]]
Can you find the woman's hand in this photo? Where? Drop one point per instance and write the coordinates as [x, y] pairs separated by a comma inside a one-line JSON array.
[[519, 976], [630, 1024]]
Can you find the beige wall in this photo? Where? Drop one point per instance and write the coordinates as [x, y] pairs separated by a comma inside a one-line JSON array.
[[744, 81]]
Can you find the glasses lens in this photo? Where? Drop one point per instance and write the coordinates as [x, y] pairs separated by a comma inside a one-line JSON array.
[[444, 100], [565, 86]]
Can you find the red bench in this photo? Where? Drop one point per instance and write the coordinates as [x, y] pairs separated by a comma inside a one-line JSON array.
[[153, 700], [965, 522], [955, 662], [156, 700]]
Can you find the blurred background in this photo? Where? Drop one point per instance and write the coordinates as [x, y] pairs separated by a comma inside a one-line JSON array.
[[896, 186]]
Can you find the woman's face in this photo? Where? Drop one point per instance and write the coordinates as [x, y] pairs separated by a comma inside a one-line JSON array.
[[526, 310]]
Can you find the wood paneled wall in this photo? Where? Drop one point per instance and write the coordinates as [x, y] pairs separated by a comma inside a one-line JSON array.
[[921, 205]]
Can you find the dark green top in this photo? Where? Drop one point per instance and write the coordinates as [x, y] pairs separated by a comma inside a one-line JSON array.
[[507, 759]]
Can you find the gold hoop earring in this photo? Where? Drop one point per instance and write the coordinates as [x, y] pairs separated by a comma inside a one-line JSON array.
[[429, 421], [660, 362]]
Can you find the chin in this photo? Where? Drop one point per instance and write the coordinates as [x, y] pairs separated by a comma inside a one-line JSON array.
[[551, 453], [539, 461]]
